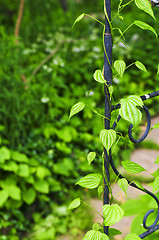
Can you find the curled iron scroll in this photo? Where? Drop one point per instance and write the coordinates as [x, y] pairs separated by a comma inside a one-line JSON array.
[[153, 227], [147, 128]]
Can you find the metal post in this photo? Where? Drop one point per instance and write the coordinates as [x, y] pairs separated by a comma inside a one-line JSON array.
[[108, 77]]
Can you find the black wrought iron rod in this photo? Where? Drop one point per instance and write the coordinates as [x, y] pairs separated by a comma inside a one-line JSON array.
[[108, 78], [144, 97], [147, 233]]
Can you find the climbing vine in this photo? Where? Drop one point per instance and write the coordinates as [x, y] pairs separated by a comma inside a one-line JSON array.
[[129, 109]]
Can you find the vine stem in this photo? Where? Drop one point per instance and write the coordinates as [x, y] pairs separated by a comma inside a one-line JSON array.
[[19, 18], [92, 208]]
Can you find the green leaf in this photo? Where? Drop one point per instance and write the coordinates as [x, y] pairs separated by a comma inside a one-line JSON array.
[[123, 184], [132, 236], [78, 19], [100, 190], [145, 6], [136, 100], [3, 197], [14, 192], [145, 26], [140, 66], [10, 166], [96, 226], [137, 206], [157, 160], [98, 76], [113, 232], [19, 157], [156, 184], [111, 90], [76, 108], [95, 235], [112, 214], [155, 126], [90, 157], [107, 138], [120, 66], [4, 154], [90, 181], [132, 167], [158, 69], [29, 195], [74, 204], [23, 170], [129, 111], [42, 186], [139, 185]]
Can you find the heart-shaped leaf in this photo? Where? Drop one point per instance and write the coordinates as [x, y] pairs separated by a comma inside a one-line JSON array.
[[129, 111], [132, 167], [145, 6], [145, 26], [90, 181], [74, 204], [107, 138], [98, 76], [76, 108], [120, 66], [95, 235], [112, 214]]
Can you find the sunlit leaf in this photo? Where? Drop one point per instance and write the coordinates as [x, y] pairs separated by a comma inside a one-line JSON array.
[[138, 184], [95, 235], [100, 190], [76, 108], [129, 111], [123, 184], [156, 184], [107, 138], [3, 197], [155, 126], [98, 76], [120, 66], [78, 19], [90, 157], [74, 204], [132, 167], [158, 69], [112, 214], [29, 195], [157, 160], [140, 66], [145, 26], [132, 236], [90, 181], [145, 6]]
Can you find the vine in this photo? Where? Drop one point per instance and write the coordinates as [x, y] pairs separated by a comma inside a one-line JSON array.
[[129, 109]]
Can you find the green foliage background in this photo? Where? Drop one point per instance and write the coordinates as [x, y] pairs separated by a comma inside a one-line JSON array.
[[42, 155]]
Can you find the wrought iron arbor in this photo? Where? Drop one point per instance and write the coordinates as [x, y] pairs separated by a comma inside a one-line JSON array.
[[108, 109]]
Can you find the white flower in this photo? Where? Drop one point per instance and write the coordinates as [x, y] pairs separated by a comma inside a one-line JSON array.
[[45, 99]]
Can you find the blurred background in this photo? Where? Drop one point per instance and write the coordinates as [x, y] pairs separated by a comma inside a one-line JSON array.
[[45, 68]]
